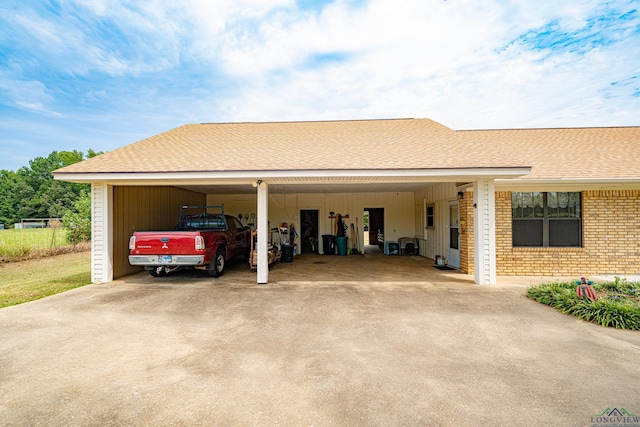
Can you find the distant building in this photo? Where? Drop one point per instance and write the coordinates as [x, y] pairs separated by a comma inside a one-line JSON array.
[[35, 223]]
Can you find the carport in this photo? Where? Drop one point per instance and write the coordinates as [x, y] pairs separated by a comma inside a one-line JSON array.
[[337, 166]]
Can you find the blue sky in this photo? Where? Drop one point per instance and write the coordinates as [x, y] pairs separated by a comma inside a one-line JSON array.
[[100, 74]]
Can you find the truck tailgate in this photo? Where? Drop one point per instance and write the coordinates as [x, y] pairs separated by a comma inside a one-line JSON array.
[[165, 242]]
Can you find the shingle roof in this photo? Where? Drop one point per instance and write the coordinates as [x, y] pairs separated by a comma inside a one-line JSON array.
[[373, 144], [570, 152], [360, 144]]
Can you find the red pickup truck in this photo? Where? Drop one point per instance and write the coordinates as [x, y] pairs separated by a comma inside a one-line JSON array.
[[203, 240]]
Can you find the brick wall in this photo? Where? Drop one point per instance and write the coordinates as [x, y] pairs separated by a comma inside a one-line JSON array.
[[610, 239], [466, 232]]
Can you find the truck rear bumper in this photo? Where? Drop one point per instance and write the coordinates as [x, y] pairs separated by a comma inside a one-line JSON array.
[[166, 260]]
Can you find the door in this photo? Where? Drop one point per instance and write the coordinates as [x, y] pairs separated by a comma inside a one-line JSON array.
[[454, 235], [309, 231], [376, 225]]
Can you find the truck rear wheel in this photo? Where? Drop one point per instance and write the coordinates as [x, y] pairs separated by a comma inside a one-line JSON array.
[[217, 264]]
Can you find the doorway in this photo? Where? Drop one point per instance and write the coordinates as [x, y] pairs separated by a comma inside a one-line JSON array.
[[454, 235], [309, 231], [375, 226]]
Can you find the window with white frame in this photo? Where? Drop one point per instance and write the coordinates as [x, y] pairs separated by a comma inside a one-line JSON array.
[[546, 219], [430, 216]]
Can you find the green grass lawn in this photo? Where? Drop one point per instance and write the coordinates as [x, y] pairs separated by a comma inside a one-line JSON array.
[[21, 242], [34, 279]]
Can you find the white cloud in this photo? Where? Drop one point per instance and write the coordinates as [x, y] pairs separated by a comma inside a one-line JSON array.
[[37, 107], [457, 62], [465, 63], [29, 95]]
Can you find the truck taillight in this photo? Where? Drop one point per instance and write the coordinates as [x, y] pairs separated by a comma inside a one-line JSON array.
[[199, 243], [132, 243]]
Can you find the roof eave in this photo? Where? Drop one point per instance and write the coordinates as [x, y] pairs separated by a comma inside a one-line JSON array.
[[450, 174], [567, 184]]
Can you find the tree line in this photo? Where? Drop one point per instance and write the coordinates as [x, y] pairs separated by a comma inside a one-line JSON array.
[[31, 192]]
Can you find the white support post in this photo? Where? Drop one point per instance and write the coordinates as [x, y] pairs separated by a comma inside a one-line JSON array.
[[101, 233], [484, 220], [263, 232]]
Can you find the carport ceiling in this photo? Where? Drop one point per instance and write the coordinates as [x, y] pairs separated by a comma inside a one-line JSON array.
[[335, 184]]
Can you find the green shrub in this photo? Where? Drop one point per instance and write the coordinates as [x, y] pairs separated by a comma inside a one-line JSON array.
[[618, 303], [77, 222]]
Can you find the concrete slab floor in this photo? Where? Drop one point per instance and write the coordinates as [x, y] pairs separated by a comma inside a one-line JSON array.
[[377, 267], [424, 347]]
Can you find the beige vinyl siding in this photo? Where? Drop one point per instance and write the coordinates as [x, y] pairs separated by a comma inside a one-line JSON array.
[[435, 239], [144, 208], [399, 214], [398, 211]]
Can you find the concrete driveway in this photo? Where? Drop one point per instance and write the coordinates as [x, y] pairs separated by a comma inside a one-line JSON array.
[[193, 350]]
